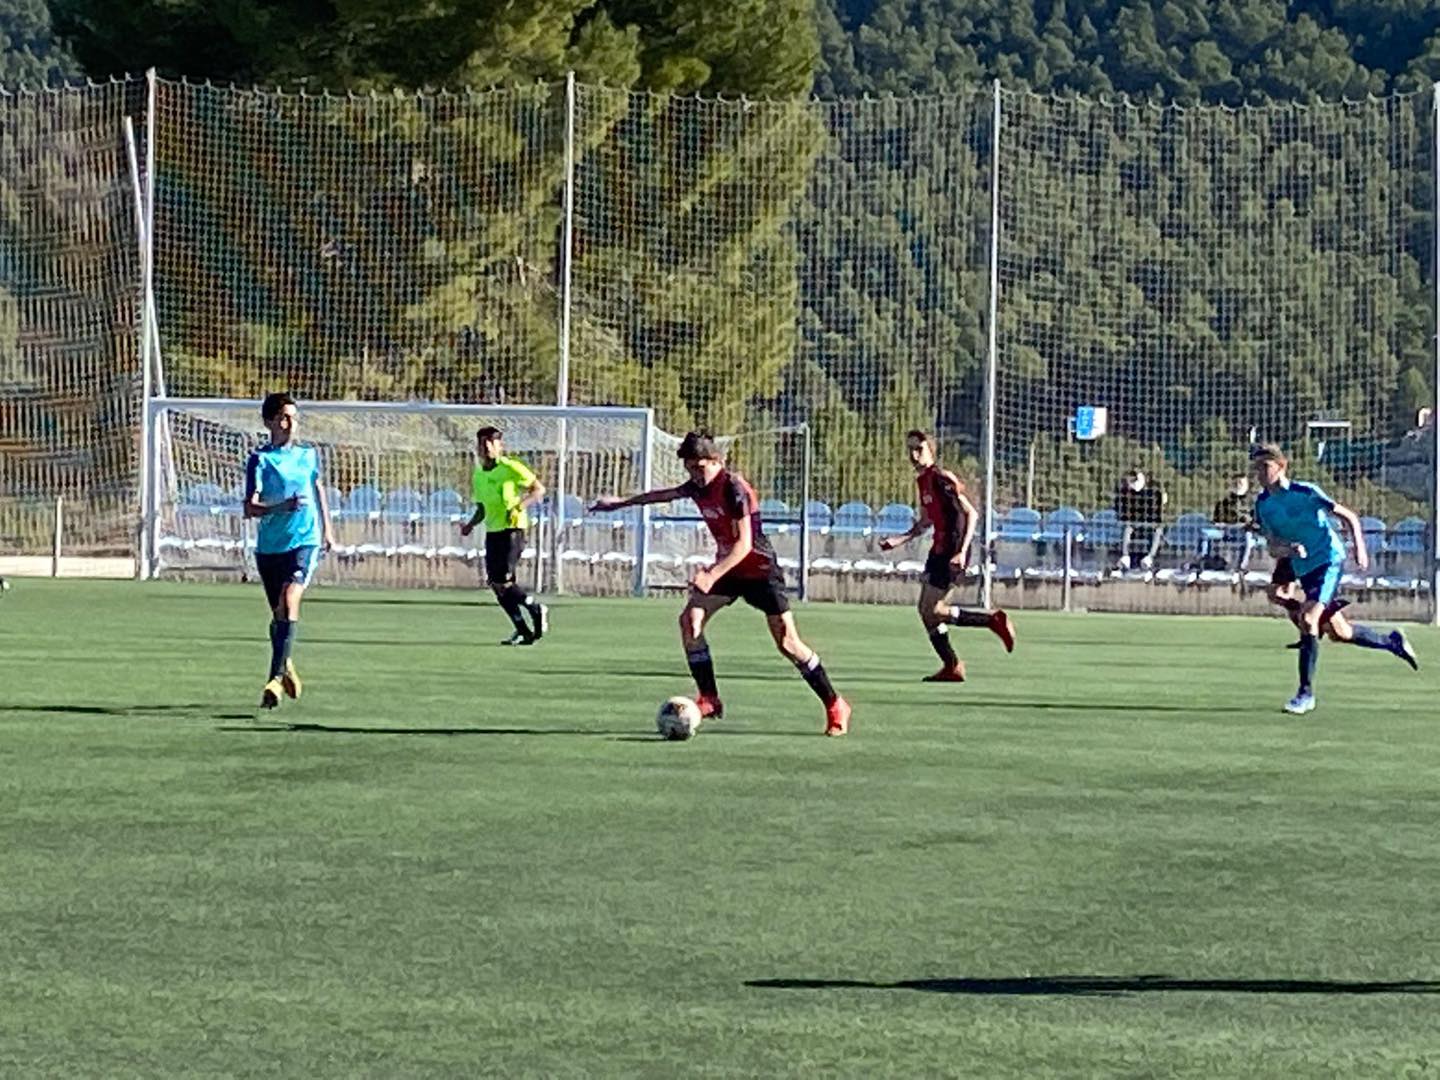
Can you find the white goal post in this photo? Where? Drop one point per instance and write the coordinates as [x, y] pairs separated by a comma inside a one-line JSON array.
[[398, 479]]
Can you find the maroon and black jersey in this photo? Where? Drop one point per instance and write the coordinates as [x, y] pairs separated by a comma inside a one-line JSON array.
[[940, 492], [722, 503]]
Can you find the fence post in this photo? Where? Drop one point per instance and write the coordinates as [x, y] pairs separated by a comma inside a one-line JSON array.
[[1434, 574], [59, 534], [992, 356], [562, 375], [142, 559], [1068, 567]]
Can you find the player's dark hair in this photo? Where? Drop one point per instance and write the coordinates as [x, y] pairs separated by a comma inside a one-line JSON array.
[[273, 403], [697, 446], [485, 434], [923, 436]]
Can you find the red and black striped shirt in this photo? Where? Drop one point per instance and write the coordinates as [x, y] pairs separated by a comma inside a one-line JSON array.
[[940, 492], [723, 503]]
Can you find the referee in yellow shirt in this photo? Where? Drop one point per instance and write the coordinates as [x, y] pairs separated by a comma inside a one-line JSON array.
[[505, 489]]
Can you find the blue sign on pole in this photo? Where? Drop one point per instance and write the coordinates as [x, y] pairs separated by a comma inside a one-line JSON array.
[[1091, 421]]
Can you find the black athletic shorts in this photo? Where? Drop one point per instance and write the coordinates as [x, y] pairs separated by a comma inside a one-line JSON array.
[[939, 571], [767, 594], [281, 568], [1284, 571], [502, 555]]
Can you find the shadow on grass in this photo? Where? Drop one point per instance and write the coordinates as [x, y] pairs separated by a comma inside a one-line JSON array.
[[264, 727], [106, 710], [1106, 986]]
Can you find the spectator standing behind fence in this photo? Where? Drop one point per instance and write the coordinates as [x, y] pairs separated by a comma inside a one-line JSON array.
[[1234, 515], [1138, 505]]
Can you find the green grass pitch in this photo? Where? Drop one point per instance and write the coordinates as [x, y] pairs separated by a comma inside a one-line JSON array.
[[1108, 854]]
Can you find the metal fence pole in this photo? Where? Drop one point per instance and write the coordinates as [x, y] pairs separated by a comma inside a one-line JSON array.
[[992, 357], [1434, 574], [562, 377]]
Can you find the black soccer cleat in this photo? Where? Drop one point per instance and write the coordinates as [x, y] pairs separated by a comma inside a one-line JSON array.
[[520, 637]]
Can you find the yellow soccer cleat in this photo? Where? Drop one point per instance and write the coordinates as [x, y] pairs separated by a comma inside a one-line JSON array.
[[270, 696], [290, 681]]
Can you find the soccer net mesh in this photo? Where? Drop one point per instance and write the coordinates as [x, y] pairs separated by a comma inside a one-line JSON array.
[[398, 481], [1198, 278], [1208, 278], [398, 478], [69, 358]]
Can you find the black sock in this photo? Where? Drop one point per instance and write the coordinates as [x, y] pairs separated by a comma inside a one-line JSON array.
[[1367, 637], [1309, 653], [512, 606], [940, 642], [814, 673], [282, 634], [1291, 606], [960, 617], [702, 668]]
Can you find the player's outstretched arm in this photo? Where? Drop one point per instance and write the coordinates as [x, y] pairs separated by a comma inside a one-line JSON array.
[[658, 495], [1357, 533], [920, 526]]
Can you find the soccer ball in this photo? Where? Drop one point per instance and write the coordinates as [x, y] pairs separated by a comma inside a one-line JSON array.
[[678, 718]]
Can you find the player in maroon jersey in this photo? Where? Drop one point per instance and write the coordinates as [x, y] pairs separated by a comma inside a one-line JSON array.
[[945, 509], [745, 569]]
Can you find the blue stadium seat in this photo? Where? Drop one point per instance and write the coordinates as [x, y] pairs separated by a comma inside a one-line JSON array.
[[202, 499], [818, 516], [445, 505], [1188, 532], [1376, 535], [403, 504], [894, 518], [363, 503], [1409, 537], [574, 508], [1103, 529], [853, 519], [334, 498], [1060, 519], [771, 509], [1020, 523]]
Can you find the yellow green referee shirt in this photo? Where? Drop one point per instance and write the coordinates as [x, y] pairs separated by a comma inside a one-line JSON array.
[[499, 490]]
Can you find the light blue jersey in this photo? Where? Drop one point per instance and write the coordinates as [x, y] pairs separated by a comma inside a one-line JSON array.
[[278, 473], [1300, 514]]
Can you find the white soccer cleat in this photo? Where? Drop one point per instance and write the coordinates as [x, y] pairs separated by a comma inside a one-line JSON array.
[[1300, 704]]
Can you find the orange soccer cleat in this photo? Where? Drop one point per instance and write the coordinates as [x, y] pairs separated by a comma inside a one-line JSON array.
[[948, 674], [710, 707], [1003, 628], [837, 717]]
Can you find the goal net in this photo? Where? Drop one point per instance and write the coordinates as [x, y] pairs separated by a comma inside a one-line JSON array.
[[397, 477]]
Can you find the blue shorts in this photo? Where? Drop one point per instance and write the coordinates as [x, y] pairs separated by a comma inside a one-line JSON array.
[[1323, 582], [280, 568]]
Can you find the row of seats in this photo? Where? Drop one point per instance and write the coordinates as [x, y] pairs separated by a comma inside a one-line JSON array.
[[852, 519], [367, 502], [1188, 532]]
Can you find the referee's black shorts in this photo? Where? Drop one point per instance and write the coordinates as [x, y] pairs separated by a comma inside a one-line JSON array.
[[502, 555]]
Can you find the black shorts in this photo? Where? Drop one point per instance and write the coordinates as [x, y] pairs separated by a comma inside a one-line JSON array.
[[502, 555], [939, 570], [766, 594], [1284, 571], [281, 568]]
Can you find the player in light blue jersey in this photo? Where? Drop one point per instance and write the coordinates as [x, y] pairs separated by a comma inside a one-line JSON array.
[[284, 494], [1297, 519]]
